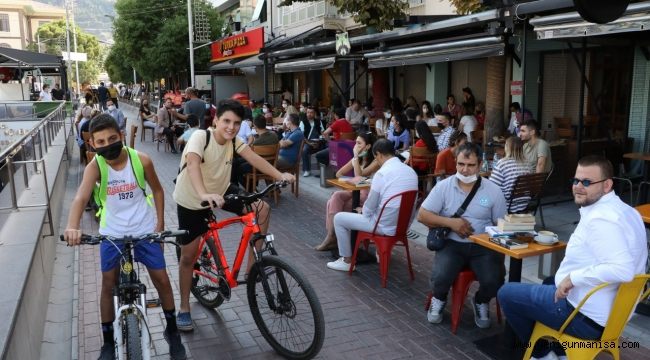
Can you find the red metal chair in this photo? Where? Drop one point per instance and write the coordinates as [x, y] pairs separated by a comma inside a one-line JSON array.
[[458, 294], [383, 243]]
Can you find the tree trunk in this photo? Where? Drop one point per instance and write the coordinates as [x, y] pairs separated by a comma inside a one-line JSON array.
[[495, 97]]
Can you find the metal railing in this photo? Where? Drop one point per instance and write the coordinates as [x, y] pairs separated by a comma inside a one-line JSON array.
[[30, 149]]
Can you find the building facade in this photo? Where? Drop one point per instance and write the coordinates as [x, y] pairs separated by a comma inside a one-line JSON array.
[[20, 19]]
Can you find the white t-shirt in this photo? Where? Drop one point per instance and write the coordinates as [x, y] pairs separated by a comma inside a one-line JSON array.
[[245, 131], [469, 124], [45, 96]]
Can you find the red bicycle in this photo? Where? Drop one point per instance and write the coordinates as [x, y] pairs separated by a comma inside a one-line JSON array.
[[284, 305]]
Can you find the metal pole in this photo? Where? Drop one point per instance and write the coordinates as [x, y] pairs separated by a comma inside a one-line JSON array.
[[76, 62], [581, 120], [67, 36], [134, 77], [266, 79], [38, 41], [523, 66], [191, 37]]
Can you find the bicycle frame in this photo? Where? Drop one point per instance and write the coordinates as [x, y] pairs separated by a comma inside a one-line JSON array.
[[250, 235], [128, 282]]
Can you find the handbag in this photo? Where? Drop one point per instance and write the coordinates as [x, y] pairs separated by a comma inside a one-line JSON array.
[[437, 236]]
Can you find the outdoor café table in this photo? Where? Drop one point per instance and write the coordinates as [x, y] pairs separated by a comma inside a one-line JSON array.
[[362, 256], [500, 346]]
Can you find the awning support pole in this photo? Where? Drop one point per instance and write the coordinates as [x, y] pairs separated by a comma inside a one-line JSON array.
[[523, 65], [583, 80]]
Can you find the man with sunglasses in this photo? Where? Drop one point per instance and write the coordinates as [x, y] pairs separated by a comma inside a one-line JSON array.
[[607, 246]]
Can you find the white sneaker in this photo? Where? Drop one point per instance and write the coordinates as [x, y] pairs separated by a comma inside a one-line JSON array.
[[434, 315], [550, 356], [306, 174], [339, 265], [481, 314]]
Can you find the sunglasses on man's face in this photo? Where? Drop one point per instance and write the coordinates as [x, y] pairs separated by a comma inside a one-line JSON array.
[[585, 182]]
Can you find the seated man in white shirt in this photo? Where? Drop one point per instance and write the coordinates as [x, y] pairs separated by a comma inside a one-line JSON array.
[[608, 245], [392, 178]]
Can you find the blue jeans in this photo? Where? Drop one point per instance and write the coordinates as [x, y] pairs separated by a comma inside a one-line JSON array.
[[306, 157], [524, 304]]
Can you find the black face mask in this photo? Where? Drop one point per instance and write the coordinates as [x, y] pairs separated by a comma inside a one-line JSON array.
[[110, 152]]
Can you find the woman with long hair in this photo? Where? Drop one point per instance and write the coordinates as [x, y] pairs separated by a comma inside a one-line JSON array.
[[428, 114], [426, 140], [148, 117], [363, 164], [507, 170]]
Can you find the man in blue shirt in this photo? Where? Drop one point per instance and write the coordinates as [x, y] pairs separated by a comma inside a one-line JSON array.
[[102, 92], [290, 143]]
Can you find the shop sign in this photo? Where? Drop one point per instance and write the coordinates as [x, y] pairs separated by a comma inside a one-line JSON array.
[[342, 44], [244, 44], [516, 87]]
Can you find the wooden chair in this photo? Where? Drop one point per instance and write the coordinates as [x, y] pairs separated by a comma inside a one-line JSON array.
[[372, 125], [144, 130], [348, 136], [163, 139], [384, 243], [627, 297], [89, 154], [563, 127], [270, 154], [528, 190], [295, 170], [134, 131], [435, 129], [423, 156]]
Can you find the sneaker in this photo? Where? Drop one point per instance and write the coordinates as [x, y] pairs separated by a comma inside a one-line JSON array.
[[184, 321], [339, 265], [107, 352], [176, 348], [434, 315], [481, 314], [306, 174], [550, 356], [174, 151]]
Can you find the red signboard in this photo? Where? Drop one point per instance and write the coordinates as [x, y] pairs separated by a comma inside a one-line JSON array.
[[516, 87], [244, 44]]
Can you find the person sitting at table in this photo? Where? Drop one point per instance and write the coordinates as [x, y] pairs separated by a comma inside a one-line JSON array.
[[400, 136], [382, 125], [363, 163], [468, 122], [148, 117], [427, 114], [339, 126], [290, 143], [607, 246], [507, 170], [311, 127], [426, 140], [444, 120], [356, 114], [485, 208], [193, 123], [536, 150], [446, 159], [393, 177], [261, 136]]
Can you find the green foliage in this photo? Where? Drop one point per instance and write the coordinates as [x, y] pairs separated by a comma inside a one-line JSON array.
[[89, 15], [375, 13], [152, 37], [53, 41], [464, 7]]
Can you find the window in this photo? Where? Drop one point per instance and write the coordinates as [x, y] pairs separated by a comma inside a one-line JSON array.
[[5, 45], [4, 22]]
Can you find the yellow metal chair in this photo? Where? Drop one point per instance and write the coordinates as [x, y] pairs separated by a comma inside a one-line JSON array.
[[626, 299]]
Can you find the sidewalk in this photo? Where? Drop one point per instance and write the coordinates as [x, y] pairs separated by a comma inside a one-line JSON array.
[[363, 320]]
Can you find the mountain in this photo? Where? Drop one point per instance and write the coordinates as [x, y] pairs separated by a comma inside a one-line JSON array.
[[89, 16]]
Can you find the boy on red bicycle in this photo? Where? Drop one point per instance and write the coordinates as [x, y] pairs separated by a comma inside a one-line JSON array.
[[205, 166], [126, 211]]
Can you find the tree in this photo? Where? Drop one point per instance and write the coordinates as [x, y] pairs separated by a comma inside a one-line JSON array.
[[372, 13], [53, 41], [464, 7], [152, 37]]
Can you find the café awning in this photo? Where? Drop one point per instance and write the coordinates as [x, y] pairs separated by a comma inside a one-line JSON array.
[[238, 63], [305, 64], [14, 58], [437, 52], [571, 25]]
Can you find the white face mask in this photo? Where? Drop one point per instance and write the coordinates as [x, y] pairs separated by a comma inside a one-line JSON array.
[[111, 108], [302, 109], [425, 110], [466, 179], [265, 110], [387, 115], [284, 106]]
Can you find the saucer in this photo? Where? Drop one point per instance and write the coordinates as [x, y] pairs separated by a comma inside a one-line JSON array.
[[546, 243]]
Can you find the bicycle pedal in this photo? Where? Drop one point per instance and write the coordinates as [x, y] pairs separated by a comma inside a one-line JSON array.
[[152, 303]]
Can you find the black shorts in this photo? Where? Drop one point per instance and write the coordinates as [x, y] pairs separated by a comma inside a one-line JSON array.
[[196, 221]]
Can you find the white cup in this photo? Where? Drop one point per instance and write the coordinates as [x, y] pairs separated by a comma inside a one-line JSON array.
[[547, 237]]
